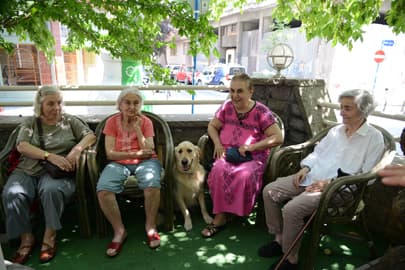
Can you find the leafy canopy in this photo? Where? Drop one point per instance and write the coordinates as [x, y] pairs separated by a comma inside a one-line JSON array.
[[339, 21], [125, 28], [133, 28]]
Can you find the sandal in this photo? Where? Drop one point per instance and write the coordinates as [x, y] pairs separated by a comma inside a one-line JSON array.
[[153, 240], [116, 248], [22, 258], [47, 254], [211, 229]]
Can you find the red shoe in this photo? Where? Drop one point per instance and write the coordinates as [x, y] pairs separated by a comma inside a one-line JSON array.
[[116, 247], [23, 258], [154, 240], [48, 254]]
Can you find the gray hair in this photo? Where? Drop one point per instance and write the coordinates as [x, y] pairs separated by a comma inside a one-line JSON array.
[[40, 96], [245, 78], [364, 100], [130, 90]]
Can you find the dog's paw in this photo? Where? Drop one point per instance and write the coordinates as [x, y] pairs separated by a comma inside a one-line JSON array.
[[208, 219], [188, 225]]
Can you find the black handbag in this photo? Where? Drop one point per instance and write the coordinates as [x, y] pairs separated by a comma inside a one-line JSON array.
[[53, 170], [232, 155]]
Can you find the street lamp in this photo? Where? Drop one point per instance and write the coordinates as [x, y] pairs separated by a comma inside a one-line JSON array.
[[279, 58]]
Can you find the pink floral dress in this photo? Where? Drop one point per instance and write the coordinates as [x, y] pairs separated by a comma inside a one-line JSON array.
[[233, 187]]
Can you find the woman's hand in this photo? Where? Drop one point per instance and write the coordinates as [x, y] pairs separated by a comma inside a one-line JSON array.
[[137, 122], [318, 186], [393, 175], [143, 153], [300, 176], [219, 151], [62, 162], [243, 149], [74, 155]]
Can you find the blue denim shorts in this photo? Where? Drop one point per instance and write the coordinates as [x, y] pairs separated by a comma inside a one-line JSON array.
[[147, 173]]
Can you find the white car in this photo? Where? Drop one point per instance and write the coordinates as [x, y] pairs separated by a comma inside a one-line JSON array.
[[224, 73], [204, 77]]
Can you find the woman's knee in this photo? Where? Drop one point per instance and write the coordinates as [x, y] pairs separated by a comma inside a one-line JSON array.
[[271, 193], [103, 194], [265, 191], [151, 191], [11, 195], [50, 191]]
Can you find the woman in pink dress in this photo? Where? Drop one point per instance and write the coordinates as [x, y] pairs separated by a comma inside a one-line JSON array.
[[250, 128]]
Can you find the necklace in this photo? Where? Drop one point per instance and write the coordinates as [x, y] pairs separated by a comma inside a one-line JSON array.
[[242, 116]]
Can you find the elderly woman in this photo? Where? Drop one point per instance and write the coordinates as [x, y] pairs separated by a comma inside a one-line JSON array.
[[130, 148], [64, 137], [354, 147], [243, 131]]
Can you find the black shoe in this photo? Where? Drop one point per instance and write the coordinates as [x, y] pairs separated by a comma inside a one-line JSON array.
[[285, 265], [270, 250]]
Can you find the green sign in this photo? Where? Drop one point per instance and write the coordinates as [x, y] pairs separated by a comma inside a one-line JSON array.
[[131, 74]]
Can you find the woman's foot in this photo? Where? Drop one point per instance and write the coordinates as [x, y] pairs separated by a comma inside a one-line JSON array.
[[23, 253], [114, 248], [153, 239], [211, 229], [215, 226], [48, 252], [48, 248]]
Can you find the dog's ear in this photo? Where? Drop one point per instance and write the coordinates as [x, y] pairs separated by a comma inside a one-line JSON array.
[[198, 151]]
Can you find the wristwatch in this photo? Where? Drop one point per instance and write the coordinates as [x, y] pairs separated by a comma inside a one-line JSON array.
[[46, 155]]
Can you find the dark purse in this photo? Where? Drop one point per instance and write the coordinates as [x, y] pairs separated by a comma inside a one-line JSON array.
[[56, 172], [232, 155], [53, 170]]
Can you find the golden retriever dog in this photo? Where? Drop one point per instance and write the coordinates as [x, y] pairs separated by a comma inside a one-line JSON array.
[[189, 177]]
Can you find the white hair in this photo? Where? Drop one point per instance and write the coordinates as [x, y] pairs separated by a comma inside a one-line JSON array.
[[40, 96], [364, 100], [130, 90]]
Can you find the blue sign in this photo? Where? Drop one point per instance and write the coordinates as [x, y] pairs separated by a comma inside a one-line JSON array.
[[388, 42]]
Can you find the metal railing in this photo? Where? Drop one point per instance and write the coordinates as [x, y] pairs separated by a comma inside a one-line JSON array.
[[191, 101], [375, 113], [335, 106], [117, 88]]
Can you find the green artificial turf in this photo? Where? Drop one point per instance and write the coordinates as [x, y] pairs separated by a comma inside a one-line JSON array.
[[235, 247]]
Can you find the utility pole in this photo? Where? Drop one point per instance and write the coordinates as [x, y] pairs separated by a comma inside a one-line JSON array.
[[196, 12]]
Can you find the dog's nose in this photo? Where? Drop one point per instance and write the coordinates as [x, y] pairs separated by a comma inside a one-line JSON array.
[[184, 162]]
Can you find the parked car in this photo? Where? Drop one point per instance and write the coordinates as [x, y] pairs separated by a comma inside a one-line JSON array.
[[173, 70], [224, 73], [205, 76], [185, 75]]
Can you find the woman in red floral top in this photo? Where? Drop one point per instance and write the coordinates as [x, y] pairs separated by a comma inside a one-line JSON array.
[[130, 149]]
